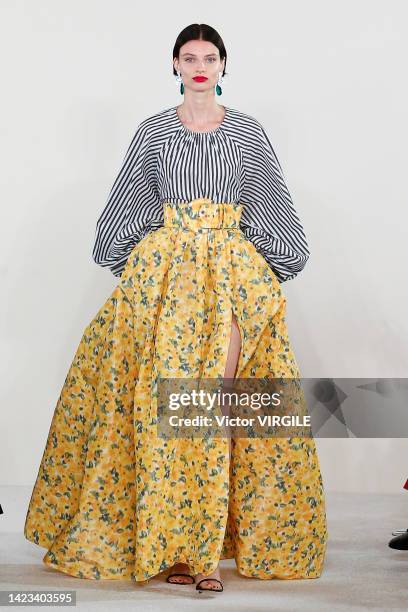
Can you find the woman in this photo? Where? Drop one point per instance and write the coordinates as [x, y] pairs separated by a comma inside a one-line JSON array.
[[201, 230]]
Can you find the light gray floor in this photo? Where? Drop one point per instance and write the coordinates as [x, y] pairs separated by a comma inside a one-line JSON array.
[[361, 572]]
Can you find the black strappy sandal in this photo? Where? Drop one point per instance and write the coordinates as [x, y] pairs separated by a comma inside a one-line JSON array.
[[188, 575], [198, 588]]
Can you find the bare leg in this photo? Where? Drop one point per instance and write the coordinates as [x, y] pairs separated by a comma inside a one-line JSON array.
[[234, 350]]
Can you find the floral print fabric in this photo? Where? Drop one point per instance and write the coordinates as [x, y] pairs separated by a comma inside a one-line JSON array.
[[112, 500]]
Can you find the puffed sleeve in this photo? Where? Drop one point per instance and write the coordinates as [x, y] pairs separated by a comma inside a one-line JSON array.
[[133, 206], [269, 219]]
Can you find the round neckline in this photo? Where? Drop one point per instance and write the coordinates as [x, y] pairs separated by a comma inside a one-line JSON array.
[[208, 131]]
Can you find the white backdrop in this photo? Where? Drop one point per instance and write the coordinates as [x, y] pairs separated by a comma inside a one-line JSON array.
[[327, 82]]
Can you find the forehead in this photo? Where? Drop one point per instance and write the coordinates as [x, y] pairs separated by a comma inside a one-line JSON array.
[[199, 48]]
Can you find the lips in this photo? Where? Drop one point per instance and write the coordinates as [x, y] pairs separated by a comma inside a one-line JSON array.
[[200, 79]]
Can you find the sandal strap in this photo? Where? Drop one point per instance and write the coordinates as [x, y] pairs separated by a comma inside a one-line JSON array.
[[207, 589]]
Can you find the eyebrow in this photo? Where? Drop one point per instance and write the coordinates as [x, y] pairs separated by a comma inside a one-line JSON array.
[[208, 54]]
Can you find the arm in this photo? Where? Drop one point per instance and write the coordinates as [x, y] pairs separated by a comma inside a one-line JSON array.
[[269, 219], [127, 215]]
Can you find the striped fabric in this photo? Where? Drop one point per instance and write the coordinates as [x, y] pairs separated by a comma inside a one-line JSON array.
[[167, 162]]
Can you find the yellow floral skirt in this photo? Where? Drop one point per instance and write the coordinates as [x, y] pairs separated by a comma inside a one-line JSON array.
[[113, 500]]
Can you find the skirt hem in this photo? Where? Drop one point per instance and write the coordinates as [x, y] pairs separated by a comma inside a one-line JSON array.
[[100, 575]]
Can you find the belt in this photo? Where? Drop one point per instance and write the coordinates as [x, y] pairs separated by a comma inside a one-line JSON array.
[[202, 214]]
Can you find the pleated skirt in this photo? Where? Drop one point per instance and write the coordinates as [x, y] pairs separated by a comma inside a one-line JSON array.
[[112, 499]]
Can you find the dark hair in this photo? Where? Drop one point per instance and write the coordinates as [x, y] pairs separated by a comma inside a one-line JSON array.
[[200, 31]]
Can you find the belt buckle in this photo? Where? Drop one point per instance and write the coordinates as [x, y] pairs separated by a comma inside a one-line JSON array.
[[220, 217]]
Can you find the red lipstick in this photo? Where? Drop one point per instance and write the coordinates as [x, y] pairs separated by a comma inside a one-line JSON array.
[[200, 79]]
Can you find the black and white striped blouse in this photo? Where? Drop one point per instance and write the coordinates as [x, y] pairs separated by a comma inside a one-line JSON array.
[[167, 162]]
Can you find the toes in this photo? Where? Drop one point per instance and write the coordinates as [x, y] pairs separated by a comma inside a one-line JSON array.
[[213, 587]]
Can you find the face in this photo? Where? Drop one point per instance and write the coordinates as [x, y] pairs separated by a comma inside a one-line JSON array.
[[199, 58]]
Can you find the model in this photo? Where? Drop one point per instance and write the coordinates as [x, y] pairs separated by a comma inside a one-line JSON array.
[[201, 231]]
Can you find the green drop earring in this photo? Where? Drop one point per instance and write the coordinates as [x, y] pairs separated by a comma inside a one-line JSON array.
[[218, 89], [180, 80]]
